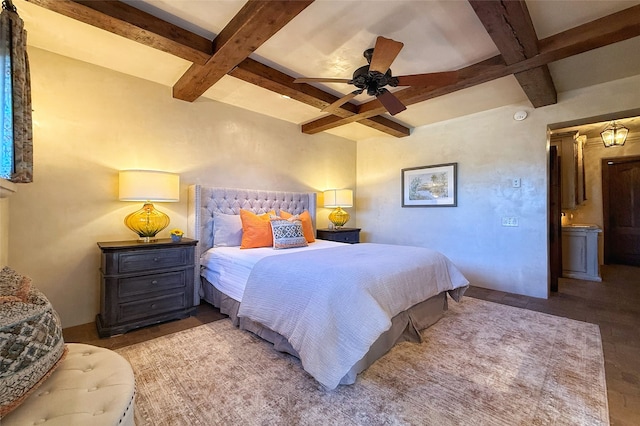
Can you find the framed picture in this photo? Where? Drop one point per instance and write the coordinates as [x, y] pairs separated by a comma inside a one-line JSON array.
[[430, 186]]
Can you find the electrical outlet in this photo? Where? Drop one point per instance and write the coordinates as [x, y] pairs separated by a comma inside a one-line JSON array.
[[515, 183], [509, 221]]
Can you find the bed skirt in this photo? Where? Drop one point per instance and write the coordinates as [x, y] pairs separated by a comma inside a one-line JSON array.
[[405, 326]]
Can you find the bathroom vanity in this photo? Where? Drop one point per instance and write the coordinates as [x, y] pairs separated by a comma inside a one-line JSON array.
[[580, 252]]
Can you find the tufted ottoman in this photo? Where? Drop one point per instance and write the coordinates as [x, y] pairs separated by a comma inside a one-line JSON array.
[[91, 386]]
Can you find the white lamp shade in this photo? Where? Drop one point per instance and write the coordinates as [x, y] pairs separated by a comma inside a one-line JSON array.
[[149, 185], [338, 198]]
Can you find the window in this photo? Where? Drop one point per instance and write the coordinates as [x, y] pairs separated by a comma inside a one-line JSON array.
[[6, 120], [16, 130]]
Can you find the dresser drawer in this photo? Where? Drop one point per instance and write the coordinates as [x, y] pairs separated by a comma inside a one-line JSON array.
[[142, 285], [139, 261], [145, 283], [343, 235], [152, 306], [348, 237]]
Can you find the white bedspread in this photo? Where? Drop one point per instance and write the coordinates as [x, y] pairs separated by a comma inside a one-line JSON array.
[[339, 301]]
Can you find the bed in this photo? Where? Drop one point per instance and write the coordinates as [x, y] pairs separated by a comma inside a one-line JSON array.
[[337, 307]]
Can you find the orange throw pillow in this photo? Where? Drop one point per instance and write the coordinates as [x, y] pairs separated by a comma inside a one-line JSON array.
[[307, 226], [256, 229]]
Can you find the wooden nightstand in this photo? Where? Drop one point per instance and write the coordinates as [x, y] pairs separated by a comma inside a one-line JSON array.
[[144, 283], [341, 235]]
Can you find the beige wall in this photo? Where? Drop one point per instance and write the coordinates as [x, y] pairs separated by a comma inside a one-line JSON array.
[[90, 122], [491, 149]]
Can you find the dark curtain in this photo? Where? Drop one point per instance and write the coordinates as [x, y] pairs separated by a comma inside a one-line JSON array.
[[13, 44]]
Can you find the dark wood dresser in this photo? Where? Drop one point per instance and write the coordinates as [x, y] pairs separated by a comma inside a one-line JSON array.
[[341, 235], [144, 283]]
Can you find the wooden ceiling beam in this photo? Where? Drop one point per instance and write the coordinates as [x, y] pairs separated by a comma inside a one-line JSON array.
[[126, 21], [511, 29], [604, 31], [538, 85], [254, 24], [134, 24], [268, 78]]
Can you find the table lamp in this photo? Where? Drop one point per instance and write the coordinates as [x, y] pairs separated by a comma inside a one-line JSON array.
[[337, 199], [148, 186]]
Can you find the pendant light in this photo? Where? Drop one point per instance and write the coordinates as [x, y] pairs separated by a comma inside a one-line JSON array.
[[614, 135]]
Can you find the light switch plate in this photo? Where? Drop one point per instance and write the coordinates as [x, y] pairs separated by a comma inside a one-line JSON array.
[[509, 221]]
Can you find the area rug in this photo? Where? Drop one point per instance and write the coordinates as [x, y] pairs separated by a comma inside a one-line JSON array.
[[482, 364]]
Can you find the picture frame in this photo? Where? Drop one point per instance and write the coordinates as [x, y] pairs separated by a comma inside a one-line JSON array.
[[430, 186]]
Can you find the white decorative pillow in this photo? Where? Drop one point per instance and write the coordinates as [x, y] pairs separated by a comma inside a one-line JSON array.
[[227, 230], [31, 342], [287, 234]]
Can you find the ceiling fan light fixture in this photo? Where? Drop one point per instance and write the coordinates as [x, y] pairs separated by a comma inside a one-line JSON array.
[[374, 77], [614, 135]]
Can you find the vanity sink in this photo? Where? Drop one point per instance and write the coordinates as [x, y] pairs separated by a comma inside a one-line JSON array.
[[581, 225]]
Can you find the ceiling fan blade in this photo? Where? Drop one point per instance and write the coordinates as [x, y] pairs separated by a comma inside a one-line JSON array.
[[390, 102], [343, 100], [430, 79], [321, 80], [384, 52]]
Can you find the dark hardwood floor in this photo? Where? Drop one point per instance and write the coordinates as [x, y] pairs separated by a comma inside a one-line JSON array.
[[613, 304], [87, 333]]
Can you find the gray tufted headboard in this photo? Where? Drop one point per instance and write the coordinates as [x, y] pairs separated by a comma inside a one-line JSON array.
[[204, 201]]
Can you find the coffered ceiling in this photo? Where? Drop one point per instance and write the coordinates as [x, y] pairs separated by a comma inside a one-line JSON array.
[[247, 54]]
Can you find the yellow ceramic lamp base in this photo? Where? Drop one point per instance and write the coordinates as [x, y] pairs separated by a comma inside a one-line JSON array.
[[339, 217], [147, 222]]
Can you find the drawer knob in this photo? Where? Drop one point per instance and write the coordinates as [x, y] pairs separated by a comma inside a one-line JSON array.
[[153, 306], [154, 282], [155, 259]]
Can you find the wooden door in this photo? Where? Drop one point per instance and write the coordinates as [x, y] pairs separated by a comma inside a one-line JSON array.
[[555, 222], [621, 210]]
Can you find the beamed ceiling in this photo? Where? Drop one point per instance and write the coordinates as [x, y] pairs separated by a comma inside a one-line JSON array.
[[248, 53]]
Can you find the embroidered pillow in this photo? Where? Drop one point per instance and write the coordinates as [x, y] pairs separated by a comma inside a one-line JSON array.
[[227, 230], [31, 342], [287, 233], [256, 229], [307, 225]]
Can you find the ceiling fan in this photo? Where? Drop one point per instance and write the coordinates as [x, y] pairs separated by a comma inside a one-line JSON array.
[[374, 77]]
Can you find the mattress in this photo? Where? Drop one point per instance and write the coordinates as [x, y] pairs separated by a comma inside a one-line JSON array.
[[228, 268]]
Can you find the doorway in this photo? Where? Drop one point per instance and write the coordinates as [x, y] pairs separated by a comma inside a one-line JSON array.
[[555, 222], [621, 210], [595, 209]]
